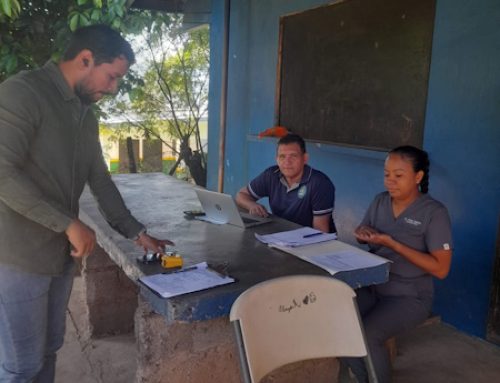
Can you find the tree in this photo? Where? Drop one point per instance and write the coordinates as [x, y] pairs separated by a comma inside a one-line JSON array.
[[175, 85], [32, 32], [173, 95]]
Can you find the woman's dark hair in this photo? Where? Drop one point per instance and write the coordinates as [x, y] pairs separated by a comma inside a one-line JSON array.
[[419, 160], [293, 139], [105, 43]]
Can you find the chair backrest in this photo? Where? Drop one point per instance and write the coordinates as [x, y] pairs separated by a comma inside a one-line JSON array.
[[295, 318]]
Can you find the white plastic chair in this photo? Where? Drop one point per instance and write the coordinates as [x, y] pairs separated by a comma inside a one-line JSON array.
[[294, 318]]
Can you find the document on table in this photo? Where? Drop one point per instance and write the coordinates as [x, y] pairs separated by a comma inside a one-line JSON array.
[[298, 237], [188, 280], [343, 261], [335, 256]]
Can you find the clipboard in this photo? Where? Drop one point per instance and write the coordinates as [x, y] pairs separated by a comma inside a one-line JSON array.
[[188, 280]]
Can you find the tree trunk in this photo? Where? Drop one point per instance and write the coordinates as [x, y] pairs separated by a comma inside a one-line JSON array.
[[172, 170], [194, 163], [198, 172], [132, 166]]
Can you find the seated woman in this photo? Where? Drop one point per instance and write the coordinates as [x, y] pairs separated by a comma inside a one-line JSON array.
[[407, 226]]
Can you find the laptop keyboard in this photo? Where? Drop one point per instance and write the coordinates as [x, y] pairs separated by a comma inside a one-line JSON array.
[[249, 220]]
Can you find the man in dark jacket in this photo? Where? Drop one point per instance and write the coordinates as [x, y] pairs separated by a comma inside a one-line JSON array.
[[49, 150]]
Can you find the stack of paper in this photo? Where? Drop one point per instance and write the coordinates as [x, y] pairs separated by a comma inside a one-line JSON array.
[[194, 278], [335, 256], [297, 237]]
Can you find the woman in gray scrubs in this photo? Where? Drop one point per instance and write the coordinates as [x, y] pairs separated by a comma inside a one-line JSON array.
[[413, 230]]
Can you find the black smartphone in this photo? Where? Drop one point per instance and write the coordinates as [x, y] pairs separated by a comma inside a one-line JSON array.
[[194, 213]]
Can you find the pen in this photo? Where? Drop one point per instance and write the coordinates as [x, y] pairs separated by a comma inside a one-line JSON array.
[[181, 270], [312, 235]]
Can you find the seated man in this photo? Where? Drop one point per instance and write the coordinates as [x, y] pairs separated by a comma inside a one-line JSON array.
[[296, 191]]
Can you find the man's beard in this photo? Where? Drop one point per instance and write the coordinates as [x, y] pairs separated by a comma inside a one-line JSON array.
[[83, 94]]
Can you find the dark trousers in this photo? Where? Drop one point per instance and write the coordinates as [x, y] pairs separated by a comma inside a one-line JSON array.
[[384, 317]]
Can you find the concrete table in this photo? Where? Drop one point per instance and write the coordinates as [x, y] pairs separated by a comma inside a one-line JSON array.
[[186, 338]]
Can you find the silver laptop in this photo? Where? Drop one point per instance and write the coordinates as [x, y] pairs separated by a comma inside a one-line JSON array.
[[220, 208]]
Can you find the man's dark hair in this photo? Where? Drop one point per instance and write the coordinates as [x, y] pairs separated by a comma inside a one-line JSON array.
[[293, 139], [105, 43]]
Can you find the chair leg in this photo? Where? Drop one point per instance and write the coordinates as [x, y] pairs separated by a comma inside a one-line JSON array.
[[245, 372], [345, 374]]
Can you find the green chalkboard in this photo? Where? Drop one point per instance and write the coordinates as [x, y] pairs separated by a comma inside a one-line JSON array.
[[356, 72]]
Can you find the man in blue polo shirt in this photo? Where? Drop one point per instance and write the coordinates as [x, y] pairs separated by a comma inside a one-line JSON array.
[[296, 191]]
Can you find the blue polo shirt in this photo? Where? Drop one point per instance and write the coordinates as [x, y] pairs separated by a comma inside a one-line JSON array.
[[314, 195]]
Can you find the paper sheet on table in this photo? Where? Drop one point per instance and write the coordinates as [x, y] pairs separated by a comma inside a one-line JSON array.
[[188, 280], [298, 237], [335, 256], [343, 261]]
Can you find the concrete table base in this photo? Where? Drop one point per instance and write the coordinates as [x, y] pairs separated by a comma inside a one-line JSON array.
[[175, 352], [205, 352], [110, 296]]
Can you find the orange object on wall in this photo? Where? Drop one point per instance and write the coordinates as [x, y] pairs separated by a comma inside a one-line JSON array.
[[275, 131]]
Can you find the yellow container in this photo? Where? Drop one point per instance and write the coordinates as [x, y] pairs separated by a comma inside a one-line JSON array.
[[169, 261]]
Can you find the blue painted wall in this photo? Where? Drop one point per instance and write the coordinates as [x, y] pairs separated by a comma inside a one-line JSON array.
[[462, 134]]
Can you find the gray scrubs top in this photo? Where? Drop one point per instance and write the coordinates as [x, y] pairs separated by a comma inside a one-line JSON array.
[[424, 226]]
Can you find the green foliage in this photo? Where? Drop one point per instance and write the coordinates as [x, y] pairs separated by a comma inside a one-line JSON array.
[[9, 8], [32, 32], [167, 93]]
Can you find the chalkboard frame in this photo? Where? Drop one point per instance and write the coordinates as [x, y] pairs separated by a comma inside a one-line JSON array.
[[378, 100]]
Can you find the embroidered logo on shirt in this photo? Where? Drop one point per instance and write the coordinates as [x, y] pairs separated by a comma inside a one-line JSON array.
[[302, 191], [412, 221], [446, 246]]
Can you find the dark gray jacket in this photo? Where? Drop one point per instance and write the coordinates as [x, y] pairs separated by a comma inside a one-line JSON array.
[[49, 149]]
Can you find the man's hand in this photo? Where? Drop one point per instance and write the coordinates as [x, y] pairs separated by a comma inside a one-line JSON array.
[[246, 201], [153, 244], [259, 210], [81, 237]]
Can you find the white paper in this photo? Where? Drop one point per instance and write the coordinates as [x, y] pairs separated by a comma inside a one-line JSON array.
[[343, 261], [335, 256], [194, 278], [298, 237]]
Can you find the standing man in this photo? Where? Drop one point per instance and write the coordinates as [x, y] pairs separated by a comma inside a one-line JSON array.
[[296, 191], [49, 150]]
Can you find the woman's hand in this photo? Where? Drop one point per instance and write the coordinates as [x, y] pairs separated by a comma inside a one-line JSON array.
[[436, 263], [367, 234]]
